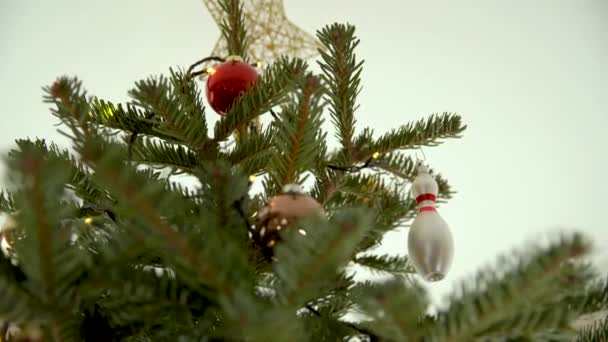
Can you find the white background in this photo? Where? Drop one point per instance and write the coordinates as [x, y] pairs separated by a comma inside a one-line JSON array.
[[528, 77]]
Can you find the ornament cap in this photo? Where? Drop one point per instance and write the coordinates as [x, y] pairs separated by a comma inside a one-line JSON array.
[[234, 58], [424, 183], [293, 189], [422, 169]]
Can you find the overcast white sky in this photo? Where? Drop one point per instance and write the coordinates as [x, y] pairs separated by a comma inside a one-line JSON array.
[[528, 77]]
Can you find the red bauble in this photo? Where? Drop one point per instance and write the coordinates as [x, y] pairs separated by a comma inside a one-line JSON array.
[[227, 81]]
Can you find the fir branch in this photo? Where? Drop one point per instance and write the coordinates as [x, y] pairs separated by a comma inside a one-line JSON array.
[[252, 152], [233, 28], [161, 154], [41, 184], [492, 300], [17, 303], [328, 328], [260, 321], [71, 100], [73, 260], [594, 333], [421, 133], [337, 189], [399, 165], [185, 193], [342, 77], [394, 306], [269, 90], [350, 325], [144, 294], [128, 118], [334, 300], [192, 121], [176, 101], [31, 167], [307, 126], [326, 184], [144, 197], [394, 264], [122, 296], [222, 194], [80, 180], [297, 138], [594, 298], [7, 202], [308, 262], [531, 322], [68, 329], [389, 207], [359, 188]]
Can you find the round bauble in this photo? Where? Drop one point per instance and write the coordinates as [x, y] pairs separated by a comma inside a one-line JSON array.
[[282, 211], [227, 81]]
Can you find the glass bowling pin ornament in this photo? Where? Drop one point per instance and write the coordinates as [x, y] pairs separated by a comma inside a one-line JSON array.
[[430, 243]]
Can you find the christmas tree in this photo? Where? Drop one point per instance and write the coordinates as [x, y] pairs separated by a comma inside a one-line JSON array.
[[101, 246]]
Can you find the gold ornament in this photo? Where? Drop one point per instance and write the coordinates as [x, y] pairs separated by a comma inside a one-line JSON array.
[[271, 35], [7, 232], [281, 212]]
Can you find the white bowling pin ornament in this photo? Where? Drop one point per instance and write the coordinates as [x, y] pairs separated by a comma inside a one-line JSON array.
[[430, 244]]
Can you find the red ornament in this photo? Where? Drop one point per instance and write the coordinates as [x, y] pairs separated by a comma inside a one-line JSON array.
[[227, 81]]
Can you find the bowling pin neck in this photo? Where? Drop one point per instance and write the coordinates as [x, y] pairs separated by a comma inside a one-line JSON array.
[[426, 197], [426, 202]]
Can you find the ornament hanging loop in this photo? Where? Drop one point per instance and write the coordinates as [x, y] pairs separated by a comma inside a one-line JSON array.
[[206, 71], [199, 62], [422, 151]]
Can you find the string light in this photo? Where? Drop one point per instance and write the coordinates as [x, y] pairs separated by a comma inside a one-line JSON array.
[[88, 220], [107, 110], [252, 178], [376, 155], [210, 71]]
